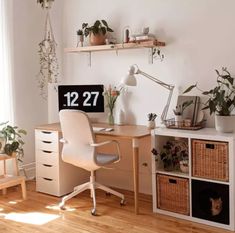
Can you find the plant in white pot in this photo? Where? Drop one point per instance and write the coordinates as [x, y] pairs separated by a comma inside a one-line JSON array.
[[221, 100]]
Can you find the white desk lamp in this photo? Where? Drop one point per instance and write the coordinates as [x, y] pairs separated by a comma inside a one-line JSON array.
[[130, 80]]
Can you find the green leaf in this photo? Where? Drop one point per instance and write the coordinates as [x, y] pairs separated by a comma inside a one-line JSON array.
[[97, 24], [22, 131], [109, 29], [103, 30], [189, 88], [84, 25], [105, 23]]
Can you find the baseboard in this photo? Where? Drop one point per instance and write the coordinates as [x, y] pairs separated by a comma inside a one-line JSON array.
[[29, 170]]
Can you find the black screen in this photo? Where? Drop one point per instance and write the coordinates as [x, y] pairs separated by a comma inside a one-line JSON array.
[[88, 98]]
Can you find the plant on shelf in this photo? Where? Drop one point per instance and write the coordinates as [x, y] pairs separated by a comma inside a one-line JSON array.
[[172, 154], [96, 32], [111, 95], [13, 142], [80, 35], [221, 99]]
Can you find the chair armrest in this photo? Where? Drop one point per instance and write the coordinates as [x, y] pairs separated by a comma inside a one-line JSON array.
[[109, 142], [62, 140]]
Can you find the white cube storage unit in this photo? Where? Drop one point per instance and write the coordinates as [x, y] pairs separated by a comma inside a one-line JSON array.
[[205, 194], [53, 176]]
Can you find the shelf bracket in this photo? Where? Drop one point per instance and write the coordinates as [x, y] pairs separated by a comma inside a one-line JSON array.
[[89, 58], [150, 55]]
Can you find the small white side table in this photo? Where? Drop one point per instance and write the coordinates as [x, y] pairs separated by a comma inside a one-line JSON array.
[[7, 181]]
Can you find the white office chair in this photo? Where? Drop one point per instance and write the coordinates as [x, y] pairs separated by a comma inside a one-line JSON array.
[[79, 149]]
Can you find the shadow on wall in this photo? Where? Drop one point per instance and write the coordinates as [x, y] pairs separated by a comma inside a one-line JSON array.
[[126, 101]]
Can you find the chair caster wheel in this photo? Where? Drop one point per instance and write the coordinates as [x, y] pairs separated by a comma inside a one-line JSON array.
[[62, 207], [123, 202], [93, 212]]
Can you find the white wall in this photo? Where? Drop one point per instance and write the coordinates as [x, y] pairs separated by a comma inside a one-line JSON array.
[[28, 31], [199, 37]]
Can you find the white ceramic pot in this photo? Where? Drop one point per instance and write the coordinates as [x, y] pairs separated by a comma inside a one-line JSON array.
[[225, 124], [151, 124]]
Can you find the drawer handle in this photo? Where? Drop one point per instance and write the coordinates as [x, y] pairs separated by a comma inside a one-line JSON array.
[[47, 179], [47, 165], [47, 151], [210, 146], [47, 142], [46, 132], [172, 181]]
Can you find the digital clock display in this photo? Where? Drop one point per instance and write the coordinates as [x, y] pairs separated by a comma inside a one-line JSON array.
[[88, 98]]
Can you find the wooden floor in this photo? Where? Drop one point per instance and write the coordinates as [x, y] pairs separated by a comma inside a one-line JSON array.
[[40, 214]]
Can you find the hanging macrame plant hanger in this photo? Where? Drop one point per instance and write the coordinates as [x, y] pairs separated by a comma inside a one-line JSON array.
[[48, 61]]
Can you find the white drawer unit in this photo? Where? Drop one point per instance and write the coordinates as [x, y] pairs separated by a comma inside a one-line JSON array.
[[209, 176], [53, 176]]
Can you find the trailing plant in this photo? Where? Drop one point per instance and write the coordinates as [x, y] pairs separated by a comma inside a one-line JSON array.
[[221, 98], [157, 54], [13, 139], [45, 3], [99, 27]]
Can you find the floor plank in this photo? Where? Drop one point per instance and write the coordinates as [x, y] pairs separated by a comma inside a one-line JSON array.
[[21, 216]]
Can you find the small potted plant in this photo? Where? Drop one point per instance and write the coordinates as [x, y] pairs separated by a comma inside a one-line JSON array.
[[97, 32], [151, 120], [179, 110], [80, 38], [13, 142], [221, 100], [173, 154]]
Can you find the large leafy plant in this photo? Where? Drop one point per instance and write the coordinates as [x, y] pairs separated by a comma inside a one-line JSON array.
[[13, 139], [221, 98], [99, 27]]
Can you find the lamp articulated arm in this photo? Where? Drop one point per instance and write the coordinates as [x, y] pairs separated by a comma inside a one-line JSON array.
[[135, 70]]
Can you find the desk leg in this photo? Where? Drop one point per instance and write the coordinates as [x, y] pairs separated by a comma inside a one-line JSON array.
[[135, 147]]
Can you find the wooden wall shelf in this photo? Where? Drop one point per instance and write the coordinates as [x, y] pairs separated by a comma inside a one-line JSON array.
[[145, 44], [116, 47]]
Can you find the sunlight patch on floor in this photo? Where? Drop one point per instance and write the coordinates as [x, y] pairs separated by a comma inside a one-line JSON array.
[[35, 218], [56, 207]]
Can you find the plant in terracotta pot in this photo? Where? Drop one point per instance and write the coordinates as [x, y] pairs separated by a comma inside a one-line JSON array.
[[13, 142], [97, 32], [221, 100]]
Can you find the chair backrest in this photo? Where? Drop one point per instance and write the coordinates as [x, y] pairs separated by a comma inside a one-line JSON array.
[[78, 134]]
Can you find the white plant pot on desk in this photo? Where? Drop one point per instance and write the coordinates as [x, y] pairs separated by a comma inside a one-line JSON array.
[[225, 124]]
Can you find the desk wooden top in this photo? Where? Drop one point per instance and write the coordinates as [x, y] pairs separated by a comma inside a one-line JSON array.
[[121, 131]]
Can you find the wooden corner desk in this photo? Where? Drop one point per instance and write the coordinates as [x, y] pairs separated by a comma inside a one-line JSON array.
[[132, 132]]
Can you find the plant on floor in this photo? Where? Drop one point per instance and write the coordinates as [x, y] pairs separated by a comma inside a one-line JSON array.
[[13, 140]]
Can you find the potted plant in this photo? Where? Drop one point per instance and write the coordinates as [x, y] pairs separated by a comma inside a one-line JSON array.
[[179, 110], [80, 38], [13, 142], [173, 154], [221, 100], [97, 32]]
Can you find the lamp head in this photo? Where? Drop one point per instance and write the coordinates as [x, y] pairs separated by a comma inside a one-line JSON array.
[[130, 79]]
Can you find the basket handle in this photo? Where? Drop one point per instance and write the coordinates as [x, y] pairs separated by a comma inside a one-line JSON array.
[[172, 181], [210, 146]]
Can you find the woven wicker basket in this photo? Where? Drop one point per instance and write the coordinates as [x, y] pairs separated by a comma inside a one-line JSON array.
[[210, 160], [173, 194]]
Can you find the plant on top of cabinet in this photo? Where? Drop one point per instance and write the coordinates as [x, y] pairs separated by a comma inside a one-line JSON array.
[[97, 32], [221, 100]]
